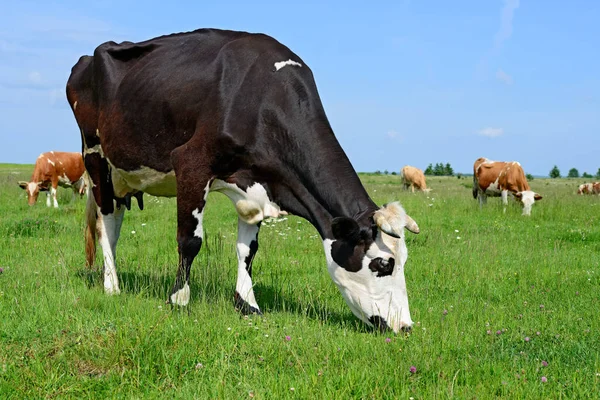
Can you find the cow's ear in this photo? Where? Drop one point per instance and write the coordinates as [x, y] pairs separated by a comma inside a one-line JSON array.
[[537, 196], [22, 184], [345, 229], [518, 195]]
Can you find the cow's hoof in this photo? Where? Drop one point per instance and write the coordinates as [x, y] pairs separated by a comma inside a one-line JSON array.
[[243, 307]]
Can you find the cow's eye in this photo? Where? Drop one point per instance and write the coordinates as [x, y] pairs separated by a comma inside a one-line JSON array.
[[382, 267]]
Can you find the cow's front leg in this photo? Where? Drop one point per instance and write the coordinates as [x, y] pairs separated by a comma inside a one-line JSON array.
[[482, 197], [191, 200], [48, 201], [247, 245], [109, 229], [53, 194], [504, 195]]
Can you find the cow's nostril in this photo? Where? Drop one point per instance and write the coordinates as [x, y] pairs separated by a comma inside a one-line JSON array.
[[406, 328]]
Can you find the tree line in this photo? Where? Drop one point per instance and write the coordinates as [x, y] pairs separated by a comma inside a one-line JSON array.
[[439, 170], [573, 173]]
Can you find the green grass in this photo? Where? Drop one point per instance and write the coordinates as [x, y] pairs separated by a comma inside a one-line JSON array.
[[60, 336]]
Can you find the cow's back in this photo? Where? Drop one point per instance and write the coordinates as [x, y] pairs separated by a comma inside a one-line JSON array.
[[193, 83]]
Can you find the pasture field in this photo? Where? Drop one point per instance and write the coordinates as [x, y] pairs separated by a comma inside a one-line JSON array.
[[505, 306]]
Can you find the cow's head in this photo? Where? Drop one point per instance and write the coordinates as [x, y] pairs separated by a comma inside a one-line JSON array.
[[366, 261], [33, 190], [527, 197]]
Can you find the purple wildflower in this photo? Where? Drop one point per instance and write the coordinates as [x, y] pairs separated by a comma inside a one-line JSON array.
[[288, 338], [498, 332], [413, 369], [544, 379], [527, 338], [387, 340], [544, 363]]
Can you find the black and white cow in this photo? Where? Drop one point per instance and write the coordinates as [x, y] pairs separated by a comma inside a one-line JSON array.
[[236, 113]]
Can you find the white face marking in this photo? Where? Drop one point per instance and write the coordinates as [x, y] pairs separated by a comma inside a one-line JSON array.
[[281, 64], [144, 179], [252, 205], [31, 187], [182, 296], [368, 295], [527, 198]]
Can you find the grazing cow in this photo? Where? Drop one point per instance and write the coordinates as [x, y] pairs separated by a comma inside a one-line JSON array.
[[413, 177], [589, 188], [52, 169], [497, 178], [236, 113]]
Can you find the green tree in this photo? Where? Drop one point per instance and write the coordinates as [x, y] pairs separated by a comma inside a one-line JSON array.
[[586, 175], [429, 170], [438, 170], [448, 170], [555, 172], [529, 177], [598, 174], [573, 173]]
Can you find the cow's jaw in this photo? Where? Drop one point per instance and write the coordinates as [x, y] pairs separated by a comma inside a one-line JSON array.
[[379, 301]]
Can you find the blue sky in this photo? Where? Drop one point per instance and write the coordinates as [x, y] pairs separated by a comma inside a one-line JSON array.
[[403, 82]]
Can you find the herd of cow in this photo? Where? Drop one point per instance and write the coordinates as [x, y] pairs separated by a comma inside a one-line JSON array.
[[238, 113]]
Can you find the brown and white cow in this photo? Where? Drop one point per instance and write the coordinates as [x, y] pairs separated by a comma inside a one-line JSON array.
[[53, 169], [589, 188], [498, 178], [237, 113], [413, 177]]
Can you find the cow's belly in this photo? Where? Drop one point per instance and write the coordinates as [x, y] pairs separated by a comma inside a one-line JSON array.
[[493, 190], [144, 179]]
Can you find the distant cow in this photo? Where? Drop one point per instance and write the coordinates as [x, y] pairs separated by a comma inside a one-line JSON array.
[[52, 169], [413, 177], [589, 188], [237, 113], [498, 178]]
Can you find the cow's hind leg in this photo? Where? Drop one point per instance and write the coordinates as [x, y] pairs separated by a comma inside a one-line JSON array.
[[247, 245], [109, 229]]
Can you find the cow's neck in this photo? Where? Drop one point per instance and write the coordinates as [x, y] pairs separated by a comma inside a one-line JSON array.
[[323, 185]]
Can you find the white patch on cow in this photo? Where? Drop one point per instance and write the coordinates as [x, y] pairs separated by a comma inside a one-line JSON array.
[[91, 150], [144, 179], [51, 162], [31, 187], [109, 228], [281, 64], [198, 232], [494, 188], [182, 296], [253, 205], [246, 234], [368, 295], [53, 194], [41, 156]]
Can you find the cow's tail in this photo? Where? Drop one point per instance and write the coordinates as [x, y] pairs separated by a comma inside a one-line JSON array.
[[91, 217]]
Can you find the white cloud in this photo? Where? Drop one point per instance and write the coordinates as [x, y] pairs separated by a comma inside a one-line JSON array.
[[504, 77], [35, 77], [506, 22], [491, 132]]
